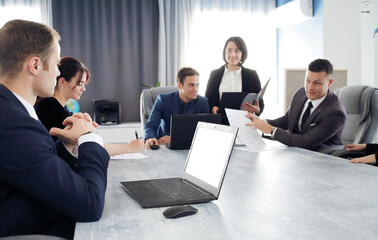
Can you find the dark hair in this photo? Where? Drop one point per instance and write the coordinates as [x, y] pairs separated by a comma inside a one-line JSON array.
[[20, 39], [321, 65], [185, 71], [69, 67], [241, 45]]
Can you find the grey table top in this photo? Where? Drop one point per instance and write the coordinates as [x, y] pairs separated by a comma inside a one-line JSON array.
[[278, 193]]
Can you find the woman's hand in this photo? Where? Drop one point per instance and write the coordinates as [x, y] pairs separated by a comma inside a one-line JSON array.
[[249, 107], [366, 159], [355, 147]]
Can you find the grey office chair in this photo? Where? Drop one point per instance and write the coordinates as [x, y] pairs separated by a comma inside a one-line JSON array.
[[147, 100], [361, 104]]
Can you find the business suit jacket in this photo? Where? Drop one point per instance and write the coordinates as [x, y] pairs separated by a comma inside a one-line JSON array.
[[250, 84], [323, 127], [39, 192], [167, 104]]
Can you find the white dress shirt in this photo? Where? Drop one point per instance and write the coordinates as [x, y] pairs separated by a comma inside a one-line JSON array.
[[231, 81]]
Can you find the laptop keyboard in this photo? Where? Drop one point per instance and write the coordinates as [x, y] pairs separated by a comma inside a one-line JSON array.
[[178, 189]]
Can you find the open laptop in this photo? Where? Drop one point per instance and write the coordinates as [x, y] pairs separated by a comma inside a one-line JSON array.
[[183, 127], [203, 176]]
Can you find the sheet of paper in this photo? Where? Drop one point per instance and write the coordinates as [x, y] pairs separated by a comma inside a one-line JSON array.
[[249, 136], [129, 156]]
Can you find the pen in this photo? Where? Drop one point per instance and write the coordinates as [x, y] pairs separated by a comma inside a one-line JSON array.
[[136, 135]]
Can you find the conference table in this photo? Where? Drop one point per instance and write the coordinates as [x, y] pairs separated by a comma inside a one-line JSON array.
[[277, 193]]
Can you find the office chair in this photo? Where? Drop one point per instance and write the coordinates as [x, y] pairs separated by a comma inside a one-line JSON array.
[[147, 100], [361, 104]]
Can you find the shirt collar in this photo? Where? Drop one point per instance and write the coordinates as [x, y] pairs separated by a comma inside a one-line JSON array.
[[226, 70], [316, 103], [28, 107]]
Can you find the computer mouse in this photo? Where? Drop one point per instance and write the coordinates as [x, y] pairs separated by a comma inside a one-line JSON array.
[[179, 211], [154, 146]]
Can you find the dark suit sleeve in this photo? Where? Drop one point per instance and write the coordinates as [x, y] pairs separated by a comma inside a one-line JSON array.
[[152, 125], [325, 126], [30, 164], [372, 149], [282, 122]]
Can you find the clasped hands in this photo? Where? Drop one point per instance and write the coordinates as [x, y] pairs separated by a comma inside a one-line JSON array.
[[75, 126]]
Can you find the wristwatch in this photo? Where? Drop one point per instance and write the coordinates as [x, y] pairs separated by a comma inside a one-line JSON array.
[[272, 132]]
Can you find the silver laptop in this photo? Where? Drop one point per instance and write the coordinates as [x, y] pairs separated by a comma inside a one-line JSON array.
[[203, 176]]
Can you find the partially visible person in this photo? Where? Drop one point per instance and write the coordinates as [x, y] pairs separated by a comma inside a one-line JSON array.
[[184, 101], [233, 77], [371, 152], [70, 84], [39, 192], [315, 118]]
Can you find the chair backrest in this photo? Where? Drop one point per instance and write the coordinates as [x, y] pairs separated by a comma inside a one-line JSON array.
[[147, 100], [361, 104]]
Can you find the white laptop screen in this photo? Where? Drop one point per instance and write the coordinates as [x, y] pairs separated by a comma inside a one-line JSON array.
[[209, 155]]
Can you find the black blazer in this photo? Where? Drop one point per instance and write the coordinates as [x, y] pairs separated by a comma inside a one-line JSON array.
[[250, 84], [39, 192]]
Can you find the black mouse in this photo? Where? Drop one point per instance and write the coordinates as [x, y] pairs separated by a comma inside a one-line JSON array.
[[154, 146], [179, 211]]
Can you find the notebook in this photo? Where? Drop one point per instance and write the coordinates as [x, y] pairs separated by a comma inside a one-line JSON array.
[[252, 97], [203, 176], [183, 127], [231, 100]]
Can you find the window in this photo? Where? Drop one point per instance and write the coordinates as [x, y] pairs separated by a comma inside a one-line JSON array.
[[208, 34]]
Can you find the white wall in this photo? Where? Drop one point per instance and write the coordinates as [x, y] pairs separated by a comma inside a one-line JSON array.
[[342, 40]]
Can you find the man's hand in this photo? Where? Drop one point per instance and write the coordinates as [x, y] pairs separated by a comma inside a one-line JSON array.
[[249, 107], [151, 141], [165, 139], [75, 126], [215, 110], [366, 159], [259, 124]]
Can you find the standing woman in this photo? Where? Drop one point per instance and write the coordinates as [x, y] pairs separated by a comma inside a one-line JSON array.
[[233, 77], [71, 84]]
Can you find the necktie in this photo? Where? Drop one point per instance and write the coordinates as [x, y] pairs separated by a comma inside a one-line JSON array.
[[306, 114]]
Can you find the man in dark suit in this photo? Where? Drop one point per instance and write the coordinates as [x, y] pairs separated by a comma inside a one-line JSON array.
[[316, 117], [183, 101], [44, 187]]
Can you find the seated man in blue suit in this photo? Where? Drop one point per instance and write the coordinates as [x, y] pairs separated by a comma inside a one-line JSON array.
[[316, 117], [183, 101], [44, 187]]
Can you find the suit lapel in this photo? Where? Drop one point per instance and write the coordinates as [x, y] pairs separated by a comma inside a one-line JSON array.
[[297, 110], [176, 107], [317, 111]]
